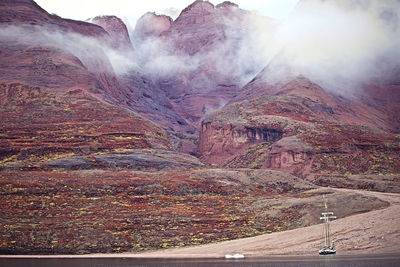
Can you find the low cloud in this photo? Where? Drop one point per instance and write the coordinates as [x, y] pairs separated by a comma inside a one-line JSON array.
[[94, 53], [158, 58], [237, 53], [339, 44]]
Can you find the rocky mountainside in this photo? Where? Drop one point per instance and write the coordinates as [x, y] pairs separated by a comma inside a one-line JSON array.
[[202, 47], [288, 118], [303, 130], [25, 12], [64, 92]]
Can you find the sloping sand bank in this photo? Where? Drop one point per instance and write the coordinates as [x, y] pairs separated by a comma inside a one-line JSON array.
[[373, 232]]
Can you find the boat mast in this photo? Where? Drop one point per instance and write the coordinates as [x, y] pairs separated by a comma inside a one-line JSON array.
[[326, 216]]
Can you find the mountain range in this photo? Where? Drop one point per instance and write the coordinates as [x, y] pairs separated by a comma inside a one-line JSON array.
[[219, 103]]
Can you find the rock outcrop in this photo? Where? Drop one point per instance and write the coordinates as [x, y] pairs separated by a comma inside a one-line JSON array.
[[218, 140], [117, 30], [289, 154], [318, 132], [151, 24]]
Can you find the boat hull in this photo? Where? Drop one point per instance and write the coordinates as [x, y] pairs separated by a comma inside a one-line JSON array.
[[234, 256], [326, 252]]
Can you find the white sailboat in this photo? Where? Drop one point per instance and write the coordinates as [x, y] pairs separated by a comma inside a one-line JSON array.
[[234, 256], [329, 246]]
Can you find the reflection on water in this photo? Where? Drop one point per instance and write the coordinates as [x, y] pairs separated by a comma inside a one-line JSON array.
[[326, 261]]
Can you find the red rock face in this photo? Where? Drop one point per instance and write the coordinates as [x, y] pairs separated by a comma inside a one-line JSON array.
[[316, 132], [290, 154], [117, 30], [196, 29], [197, 26], [202, 43], [220, 141], [151, 24]]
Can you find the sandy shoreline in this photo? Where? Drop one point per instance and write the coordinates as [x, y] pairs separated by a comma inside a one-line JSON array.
[[372, 233]]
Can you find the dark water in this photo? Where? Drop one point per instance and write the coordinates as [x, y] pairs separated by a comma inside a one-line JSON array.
[[328, 261]]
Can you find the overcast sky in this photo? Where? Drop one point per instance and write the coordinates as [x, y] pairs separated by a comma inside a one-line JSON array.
[[131, 10]]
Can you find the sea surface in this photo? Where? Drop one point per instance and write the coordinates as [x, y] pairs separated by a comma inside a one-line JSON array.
[[329, 261]]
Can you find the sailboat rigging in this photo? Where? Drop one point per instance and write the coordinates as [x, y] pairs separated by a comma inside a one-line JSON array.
[[329, 246]]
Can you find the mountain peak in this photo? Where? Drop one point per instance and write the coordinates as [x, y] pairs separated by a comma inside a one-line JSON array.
[[199, 7], [116, 28], [152, 24], [227, 4]]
